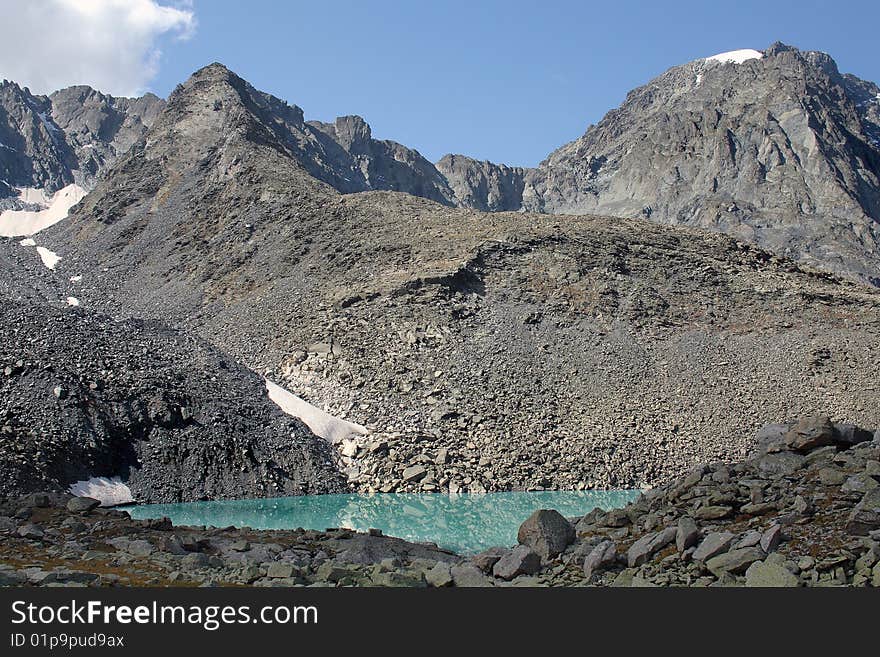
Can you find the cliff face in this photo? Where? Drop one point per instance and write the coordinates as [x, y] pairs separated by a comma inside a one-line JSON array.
[[69, 137], [777, 148], [483, 185]]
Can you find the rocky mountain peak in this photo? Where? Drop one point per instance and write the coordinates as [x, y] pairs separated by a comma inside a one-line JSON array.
[[776, 148], [70, 137], [353, 133]]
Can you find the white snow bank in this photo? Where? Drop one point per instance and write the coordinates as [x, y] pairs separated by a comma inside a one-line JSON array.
[[736, 56], [28, 242], [109, 492], [328, 427], [72, 301], [49, 258], [17, 223]]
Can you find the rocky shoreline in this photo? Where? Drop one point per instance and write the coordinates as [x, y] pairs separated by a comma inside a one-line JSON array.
[[803, 511]]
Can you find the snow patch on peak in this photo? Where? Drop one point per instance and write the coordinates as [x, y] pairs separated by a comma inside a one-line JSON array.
[[736, 56]]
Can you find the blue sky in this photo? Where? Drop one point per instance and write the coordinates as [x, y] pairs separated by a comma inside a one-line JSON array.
[[507, 81]]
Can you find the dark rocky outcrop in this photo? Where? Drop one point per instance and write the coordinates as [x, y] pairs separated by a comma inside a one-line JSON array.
[[87, 396]]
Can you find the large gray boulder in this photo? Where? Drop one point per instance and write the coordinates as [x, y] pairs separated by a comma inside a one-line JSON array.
[[521, 560], [766, 574], [648, 545], [601, 557], [735, 561], [865, 517], [547, 532], [714, 544], [82, 504], [848, 435], [809, 433]]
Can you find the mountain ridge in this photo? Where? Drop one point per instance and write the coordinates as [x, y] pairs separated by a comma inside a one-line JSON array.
[[490, 351]]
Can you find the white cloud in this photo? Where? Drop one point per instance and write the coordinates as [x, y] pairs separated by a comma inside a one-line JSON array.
[[111, 45]]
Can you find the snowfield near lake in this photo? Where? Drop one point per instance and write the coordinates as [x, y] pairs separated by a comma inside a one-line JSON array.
[[109, 492], [328, 427], [19, 223]]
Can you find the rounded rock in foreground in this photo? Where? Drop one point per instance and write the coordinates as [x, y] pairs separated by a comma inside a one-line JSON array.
[[547, 532]]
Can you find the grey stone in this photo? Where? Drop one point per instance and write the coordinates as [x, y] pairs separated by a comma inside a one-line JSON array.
[[547, 532], [414, 473], [860, 483], [848, 435], [714, 512], [486, 559], [439, 576], [140, 548], [687, 533], [82, 504], [781, 464], [865, 516], [521, 560], [831, 476], [715, 543], [771, 538], [171, 544], [645, 547], [763, 574], [278, 570], [735, 561], [195, 560], [749, 539], [31, 531], [600, 557], [467, 575]]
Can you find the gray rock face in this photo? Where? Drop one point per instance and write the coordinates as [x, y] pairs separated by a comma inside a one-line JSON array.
[[483, 185], [780, 151], [521, 560], [546, 532], [359, 163], [72, 136]]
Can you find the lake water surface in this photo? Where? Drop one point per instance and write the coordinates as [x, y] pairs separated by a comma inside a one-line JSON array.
[[465, 523]]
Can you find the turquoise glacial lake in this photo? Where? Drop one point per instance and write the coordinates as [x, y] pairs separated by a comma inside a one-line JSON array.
[[465, 523]]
